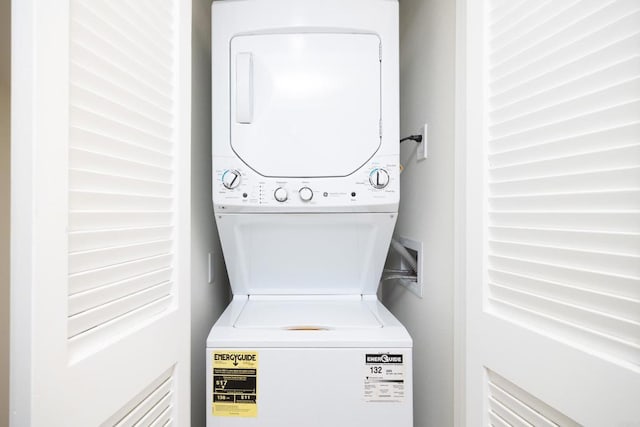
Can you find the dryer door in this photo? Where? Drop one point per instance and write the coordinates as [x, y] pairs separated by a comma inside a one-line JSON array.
[[306, 104]]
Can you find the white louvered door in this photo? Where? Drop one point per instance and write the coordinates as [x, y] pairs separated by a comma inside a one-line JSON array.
[[100, 213], [553, 212]]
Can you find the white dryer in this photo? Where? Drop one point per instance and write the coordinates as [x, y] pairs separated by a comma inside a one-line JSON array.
[[305, 191]]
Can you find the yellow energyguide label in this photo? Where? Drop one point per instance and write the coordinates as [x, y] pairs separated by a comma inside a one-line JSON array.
[[235, 383]]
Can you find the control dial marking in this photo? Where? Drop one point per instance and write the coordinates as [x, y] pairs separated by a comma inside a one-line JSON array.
[[379, 178], [306, 194], [280, 194], [231, 179]]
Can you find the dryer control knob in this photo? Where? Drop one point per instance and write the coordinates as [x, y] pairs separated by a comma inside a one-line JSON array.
[[280, 194], [306, 194], [231, 178], [379, 178]]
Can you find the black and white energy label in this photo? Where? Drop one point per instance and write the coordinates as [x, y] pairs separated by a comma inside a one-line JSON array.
[[384, 377]]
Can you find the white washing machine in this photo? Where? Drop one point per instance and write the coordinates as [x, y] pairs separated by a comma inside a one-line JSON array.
[[305, 191]]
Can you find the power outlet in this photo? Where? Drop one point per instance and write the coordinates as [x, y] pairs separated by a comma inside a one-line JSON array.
[[421, 150]]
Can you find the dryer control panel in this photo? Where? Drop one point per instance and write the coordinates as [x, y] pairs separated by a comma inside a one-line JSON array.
[[374, 187]]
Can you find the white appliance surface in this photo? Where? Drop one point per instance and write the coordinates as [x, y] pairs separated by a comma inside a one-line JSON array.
[[381, 329], [320, 387], [306, 104], [306, 314], [305, 190], [314, 378], [305, 254]]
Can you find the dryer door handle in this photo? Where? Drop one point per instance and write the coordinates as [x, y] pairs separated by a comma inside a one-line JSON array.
[[244, 87]]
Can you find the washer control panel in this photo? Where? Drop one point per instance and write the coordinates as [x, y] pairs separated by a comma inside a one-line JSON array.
[[236, 187]]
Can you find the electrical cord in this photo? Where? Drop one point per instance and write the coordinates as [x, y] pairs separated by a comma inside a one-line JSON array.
[[416, 138]]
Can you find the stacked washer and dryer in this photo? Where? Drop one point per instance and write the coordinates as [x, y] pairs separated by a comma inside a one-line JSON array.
[[305, 192]]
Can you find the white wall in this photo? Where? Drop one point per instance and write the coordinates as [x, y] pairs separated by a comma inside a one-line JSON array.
[[207, 300], [5, 142], [4, 249], [427, 85]]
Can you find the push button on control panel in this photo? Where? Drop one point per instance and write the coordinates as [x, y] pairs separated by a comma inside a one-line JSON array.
[[306, 194], [280, 194], [379, 178]]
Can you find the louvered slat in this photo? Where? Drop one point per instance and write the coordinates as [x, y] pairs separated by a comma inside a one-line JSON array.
[[105, 124], [88, 180], [496, 421], [105, 69], [121, 169], [592, 82], [156, 400], [113, 255], [95, 142], [572, 126], [525, 413], [109, 87], [84, 342], [101, 220], [83, 301], [594, 180], [91, 279], [536, 25], [621, 243], [163, 419], [101, 19], [509, 403], [103, 39], [557, 272], [141, 11], [584, 142], [101, 315], [595, 32], [159, 410], [615, 221], [129, 23], [88, 240], [601, 261], [608, 303], [81, 200], [122, 111], [588, 101], [564, 173], [613, 158], [593, 201], [511, 52], [107, 164], [560, 328], [597, 321], [506, 414]]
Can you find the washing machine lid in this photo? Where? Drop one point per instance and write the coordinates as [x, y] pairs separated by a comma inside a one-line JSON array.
[[305, 104], [305, 254], [307, 314]]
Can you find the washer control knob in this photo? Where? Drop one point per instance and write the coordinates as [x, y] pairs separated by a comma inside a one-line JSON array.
[[379, 178], [306, 194], [231, 178], [280, 194]]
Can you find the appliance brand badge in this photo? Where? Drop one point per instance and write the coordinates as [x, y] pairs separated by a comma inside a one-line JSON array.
[[384, 358]]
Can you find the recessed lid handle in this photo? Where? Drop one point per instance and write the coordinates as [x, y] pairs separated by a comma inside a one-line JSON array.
[[244, 87]]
